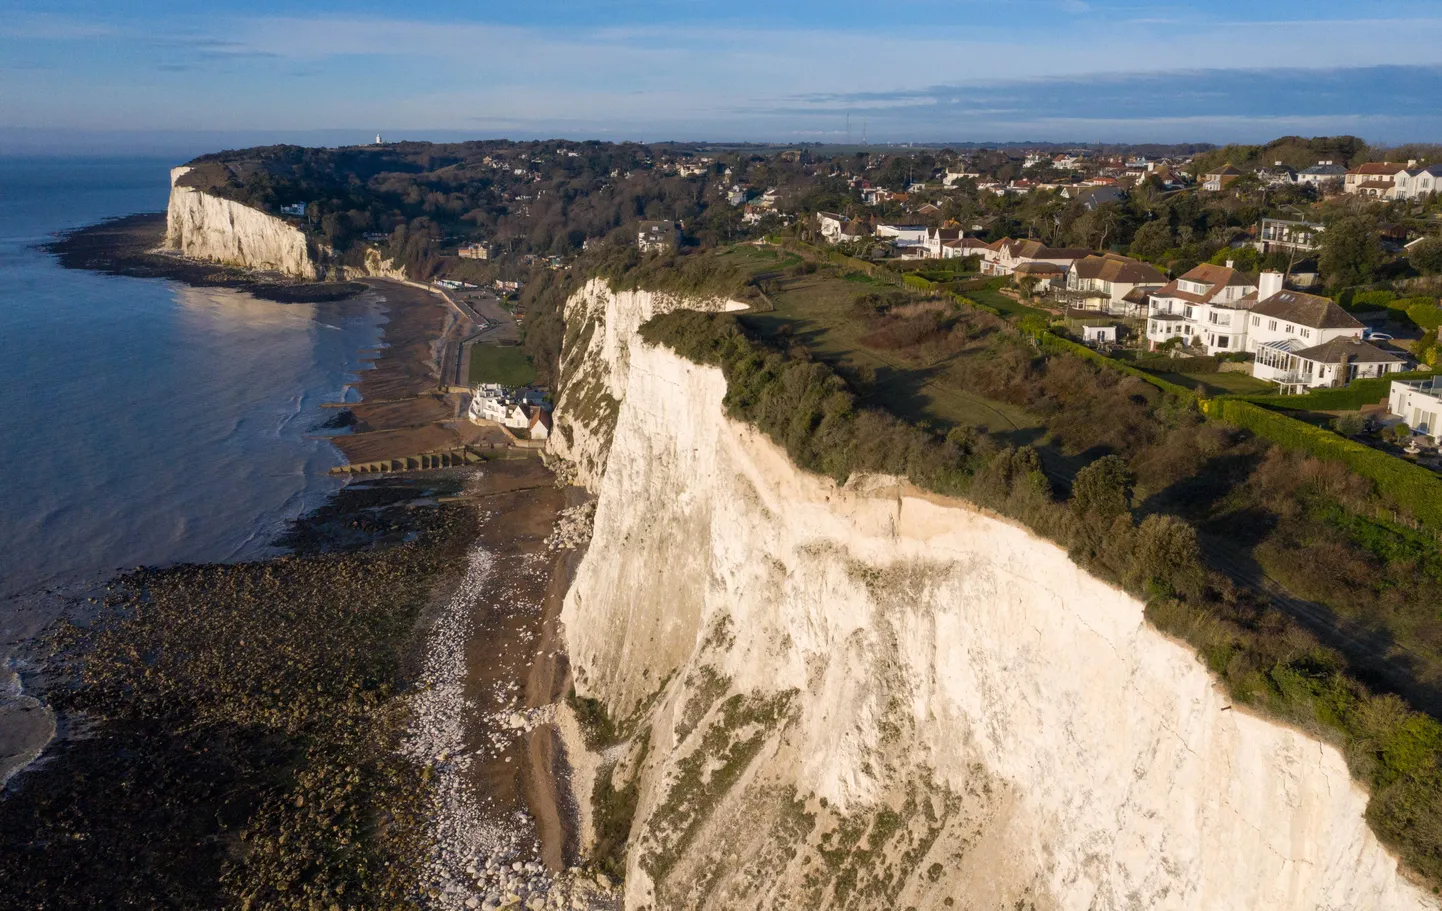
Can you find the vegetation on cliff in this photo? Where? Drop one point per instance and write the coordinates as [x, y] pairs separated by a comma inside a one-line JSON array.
[[1180, 510]]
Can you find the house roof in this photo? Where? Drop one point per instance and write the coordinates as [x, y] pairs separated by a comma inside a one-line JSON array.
[[1227, 171], [1354, 349], [1113, 268], [946, 234], [1325, 169], [1385, 168], [967, 243], [1375, 185], [1035, 249], [1306, 310], [1216, 278], [1040, 268]]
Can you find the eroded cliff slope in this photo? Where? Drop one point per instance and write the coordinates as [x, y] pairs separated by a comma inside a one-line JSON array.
[[867, 697], [202, 226], [600, 325]]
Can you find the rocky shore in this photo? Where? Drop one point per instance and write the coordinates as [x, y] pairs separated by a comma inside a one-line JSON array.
[[130, 246], [363, 722]]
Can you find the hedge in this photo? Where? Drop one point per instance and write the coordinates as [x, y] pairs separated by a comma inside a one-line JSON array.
[[1424, 312], [1360, 392], [1413, 487], [912, 280]]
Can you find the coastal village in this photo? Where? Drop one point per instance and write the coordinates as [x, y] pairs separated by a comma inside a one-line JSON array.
[[1167, 372], [1261, 306]]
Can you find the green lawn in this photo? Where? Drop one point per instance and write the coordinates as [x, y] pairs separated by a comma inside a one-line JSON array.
[[1219, 383], [1005, 305], [504, 364]]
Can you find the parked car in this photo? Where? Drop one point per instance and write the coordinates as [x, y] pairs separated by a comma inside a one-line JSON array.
[[1374, 336]]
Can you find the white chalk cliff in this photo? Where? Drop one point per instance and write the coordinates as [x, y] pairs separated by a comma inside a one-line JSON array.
[[202, 226], [600, 326], [869, 697]]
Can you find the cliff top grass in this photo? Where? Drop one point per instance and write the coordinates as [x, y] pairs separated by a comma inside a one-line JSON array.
[[504, 364], [1181, 511]]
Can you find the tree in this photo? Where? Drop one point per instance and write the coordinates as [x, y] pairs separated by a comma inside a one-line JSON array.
[[1152, 240], [1103, 489], [1426, 256], [1351, 251], [1168, 560]]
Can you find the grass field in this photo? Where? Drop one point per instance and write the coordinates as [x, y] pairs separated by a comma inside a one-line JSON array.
[[817, 311], [1219, 383], [1000, 302], [507, 365]]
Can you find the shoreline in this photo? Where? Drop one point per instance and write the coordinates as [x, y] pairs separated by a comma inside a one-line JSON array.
[[130, 246], [405, 409]]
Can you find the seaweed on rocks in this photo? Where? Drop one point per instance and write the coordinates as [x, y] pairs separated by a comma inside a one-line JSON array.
[[244, 732]]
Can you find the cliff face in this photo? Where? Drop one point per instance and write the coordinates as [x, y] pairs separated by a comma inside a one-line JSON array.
[[868, 697], [201, 226], [600, 325]]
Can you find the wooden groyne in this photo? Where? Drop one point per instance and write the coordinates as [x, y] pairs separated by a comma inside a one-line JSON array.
[[426, 461]]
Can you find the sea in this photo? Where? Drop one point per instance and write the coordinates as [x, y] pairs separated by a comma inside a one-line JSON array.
[[144, 422]]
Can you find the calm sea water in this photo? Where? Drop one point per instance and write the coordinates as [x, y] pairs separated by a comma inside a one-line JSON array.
[[143, 422]]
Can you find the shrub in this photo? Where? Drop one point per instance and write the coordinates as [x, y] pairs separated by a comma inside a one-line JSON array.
[[1426, 257], [1103, 489], [1168, 561], [1413, 488], [1349, 425]]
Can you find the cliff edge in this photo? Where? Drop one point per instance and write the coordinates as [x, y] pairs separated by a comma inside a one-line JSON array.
[[206, 227], [864, 696]]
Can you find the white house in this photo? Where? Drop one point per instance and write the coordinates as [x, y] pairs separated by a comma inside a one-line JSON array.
[[658, 237], [1375, 178], [1207, 306], [953, 177], [830, 225], [1415, 183], [903, 235], [936, 240], [1003, 256], [1333, 363], [1276, 234], [1282, 316], [1322, 172], [1418, 403], [963, 247], [1094, 335], [523, 409], [1113, 283]]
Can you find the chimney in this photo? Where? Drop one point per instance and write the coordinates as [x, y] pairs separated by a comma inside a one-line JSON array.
[[1411, 163], [1270, 283], [1231, 264]]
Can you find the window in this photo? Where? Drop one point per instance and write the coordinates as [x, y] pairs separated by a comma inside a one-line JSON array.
[[1272, 324], [1221, 341], [1289, 328], [1256, 321], [1306, 333]]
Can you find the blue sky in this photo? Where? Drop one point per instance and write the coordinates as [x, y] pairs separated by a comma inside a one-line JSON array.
[[166, 75]]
